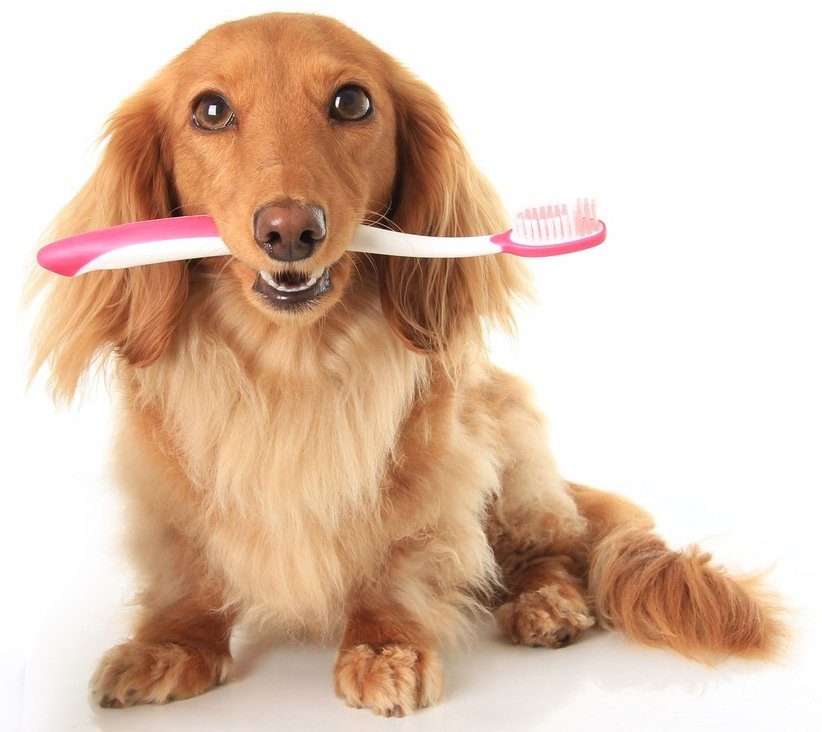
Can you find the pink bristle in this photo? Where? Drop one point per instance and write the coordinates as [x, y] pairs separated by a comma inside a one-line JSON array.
[[566, 226], [557, 223]]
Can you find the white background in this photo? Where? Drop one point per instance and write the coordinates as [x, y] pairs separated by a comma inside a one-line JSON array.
[[679, 362]]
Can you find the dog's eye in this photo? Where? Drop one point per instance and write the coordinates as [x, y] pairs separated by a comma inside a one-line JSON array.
[[212, 112], [350, 103]]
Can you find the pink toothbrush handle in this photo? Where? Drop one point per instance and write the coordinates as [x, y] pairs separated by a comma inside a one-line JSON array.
[[68, 256]]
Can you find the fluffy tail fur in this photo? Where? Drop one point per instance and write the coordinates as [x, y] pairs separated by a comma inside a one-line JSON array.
[[667, 598]]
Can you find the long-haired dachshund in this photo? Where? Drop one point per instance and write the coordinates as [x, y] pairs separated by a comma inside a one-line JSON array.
[[314, 440]]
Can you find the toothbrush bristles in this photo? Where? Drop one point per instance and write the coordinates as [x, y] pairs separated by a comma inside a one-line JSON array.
[[554, 224]]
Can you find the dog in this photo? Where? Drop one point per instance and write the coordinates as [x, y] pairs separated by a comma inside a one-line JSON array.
[[313, 440]]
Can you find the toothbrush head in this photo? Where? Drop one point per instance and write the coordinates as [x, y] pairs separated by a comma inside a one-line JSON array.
[[556, 229]]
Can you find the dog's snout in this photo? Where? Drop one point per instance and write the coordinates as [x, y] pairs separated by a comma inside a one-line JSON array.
[[287, 230]]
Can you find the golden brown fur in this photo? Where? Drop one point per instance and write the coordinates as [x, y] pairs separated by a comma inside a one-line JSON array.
[[360, 466]]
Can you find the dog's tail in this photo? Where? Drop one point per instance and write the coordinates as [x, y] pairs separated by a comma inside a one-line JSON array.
[[663, 597]]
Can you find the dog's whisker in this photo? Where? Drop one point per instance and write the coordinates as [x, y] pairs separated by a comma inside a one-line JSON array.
[[381, 219]]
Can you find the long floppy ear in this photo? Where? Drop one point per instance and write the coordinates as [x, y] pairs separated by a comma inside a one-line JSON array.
[[130, 312], [438, 305]]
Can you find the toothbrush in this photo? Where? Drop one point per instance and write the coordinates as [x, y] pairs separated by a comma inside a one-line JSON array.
[[538, 232]]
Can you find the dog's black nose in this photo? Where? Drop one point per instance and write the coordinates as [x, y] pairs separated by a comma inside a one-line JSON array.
[[287, 230]]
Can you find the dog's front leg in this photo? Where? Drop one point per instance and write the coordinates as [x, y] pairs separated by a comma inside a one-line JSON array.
[[178, 651], [387, 660]]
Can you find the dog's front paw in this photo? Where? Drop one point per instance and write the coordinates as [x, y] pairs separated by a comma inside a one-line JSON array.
[[545, 617], [391, 680], [156, 673]]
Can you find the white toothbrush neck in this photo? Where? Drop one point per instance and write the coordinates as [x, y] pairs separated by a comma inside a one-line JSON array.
[[370, 240]]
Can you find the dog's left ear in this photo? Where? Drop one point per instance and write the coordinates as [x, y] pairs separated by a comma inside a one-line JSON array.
[[438, 305], [131, 313]]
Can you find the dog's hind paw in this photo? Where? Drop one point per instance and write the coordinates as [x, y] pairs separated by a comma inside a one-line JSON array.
[[545, 617], [391, 680], [156, 673]]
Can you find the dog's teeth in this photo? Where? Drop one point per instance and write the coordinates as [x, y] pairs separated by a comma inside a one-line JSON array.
[[269, 280], [297, 288]]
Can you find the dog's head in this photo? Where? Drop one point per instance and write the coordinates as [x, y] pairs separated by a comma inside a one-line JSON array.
[[289, 130]]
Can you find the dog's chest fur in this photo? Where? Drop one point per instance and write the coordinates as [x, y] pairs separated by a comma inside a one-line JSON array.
[[284, 466]]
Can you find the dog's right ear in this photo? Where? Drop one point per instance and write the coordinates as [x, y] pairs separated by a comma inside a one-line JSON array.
[[130, 312]]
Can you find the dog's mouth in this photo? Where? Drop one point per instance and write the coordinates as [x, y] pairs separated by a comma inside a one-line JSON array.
[[289, 289]]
